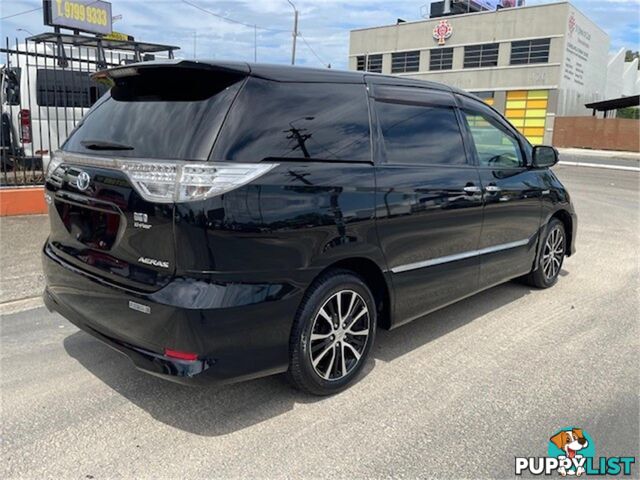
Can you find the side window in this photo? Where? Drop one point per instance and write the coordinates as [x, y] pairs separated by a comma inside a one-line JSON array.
[[62, 88], [296, 120], [418, 134], [496, 146], [11, 86]]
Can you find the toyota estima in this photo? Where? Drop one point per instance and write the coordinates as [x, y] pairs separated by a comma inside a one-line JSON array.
[[223, 221]]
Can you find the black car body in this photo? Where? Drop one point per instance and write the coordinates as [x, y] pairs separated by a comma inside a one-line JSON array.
[[423, 191]]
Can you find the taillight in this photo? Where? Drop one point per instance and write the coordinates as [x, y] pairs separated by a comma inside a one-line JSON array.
[[172, 181], [180, 355], [25, 126], [168, 182]]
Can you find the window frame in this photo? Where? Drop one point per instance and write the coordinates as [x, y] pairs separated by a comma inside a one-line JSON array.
[[368, 62], [481, 55], [529, 45], [441, 51], [481, 108], [402, 60], [413, 96]]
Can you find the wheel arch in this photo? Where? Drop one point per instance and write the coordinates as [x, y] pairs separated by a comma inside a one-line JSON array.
[[567, 221], [373, 276]]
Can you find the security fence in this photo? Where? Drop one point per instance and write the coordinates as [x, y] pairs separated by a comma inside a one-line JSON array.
[[45, 90]]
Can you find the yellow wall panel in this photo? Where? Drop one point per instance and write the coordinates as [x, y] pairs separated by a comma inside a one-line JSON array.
[[535, 140], [516, 103], [517, 95], [538, 94], [535, 132], [511, 113], [536, 104], [517, 122], [534, 122], [535, 113]]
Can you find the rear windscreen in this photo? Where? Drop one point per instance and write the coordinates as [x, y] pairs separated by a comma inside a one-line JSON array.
[[162, 113]]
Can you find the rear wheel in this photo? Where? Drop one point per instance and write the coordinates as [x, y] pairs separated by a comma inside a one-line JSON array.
[[554, 247], [333, 333]]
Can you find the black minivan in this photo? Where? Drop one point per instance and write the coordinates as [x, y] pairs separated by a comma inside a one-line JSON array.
[[223, 221]]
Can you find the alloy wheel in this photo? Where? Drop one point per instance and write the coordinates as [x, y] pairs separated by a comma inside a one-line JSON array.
[[339, 335], [553, 253]]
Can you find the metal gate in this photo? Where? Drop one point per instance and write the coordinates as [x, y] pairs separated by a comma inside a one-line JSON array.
[[46, 88]]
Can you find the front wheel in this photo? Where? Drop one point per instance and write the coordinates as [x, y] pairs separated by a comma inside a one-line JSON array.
[[333, 334], [554, 247]]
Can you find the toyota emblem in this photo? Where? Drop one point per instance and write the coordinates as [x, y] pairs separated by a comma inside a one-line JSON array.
[[83, 181]]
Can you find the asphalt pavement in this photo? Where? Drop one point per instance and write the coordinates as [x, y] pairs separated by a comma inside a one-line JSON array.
[[457, 394]]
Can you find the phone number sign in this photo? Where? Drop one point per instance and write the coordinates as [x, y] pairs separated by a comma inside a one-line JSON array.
[[87, 15]]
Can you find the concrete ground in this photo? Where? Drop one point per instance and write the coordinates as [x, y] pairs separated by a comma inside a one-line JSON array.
[[21, 239], [457, 394]]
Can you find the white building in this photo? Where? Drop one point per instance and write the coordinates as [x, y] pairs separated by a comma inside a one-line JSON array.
[[531, 63]]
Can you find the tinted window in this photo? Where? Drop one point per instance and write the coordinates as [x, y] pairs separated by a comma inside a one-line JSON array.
[[296, 120], [496, 146], [66, 88], [163, 113], [360, 62], [420, 134]]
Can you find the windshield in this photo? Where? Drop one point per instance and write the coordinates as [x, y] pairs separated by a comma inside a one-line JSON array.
[[160, 113]]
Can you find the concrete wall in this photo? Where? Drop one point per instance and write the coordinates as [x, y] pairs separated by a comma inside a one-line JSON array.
[[586, 57], [631, 79], [615, 73]]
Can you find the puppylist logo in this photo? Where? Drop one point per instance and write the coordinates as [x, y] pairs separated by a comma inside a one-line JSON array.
[[571, 451]]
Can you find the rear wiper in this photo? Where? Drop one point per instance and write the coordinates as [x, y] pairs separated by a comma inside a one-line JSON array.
[[101, 145]]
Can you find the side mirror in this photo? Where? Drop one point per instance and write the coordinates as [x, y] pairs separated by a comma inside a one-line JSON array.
[[544, 156]]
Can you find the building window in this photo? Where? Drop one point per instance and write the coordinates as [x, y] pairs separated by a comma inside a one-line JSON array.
[[485, 55], [530, 51], [361, 61], [374, 63], [527, 111], [441, 59], [405, 62]]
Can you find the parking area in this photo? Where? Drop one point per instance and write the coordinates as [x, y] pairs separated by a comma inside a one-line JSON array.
[[459, 393]]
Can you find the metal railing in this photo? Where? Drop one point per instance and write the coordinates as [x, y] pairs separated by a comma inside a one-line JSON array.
[[45, 91]]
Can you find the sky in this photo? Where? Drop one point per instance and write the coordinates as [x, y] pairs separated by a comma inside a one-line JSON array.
[[324, 25]]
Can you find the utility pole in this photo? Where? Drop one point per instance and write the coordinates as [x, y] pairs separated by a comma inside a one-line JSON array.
[[295, 32], [195, 39]]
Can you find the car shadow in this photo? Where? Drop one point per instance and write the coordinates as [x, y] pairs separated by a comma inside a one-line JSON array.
[[219, 410]]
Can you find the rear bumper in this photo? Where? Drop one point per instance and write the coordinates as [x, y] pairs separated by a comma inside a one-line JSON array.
[[239, 331]]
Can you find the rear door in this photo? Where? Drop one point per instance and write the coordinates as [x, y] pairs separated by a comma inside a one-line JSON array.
[[428, 199], [111, 189], [512, 195]]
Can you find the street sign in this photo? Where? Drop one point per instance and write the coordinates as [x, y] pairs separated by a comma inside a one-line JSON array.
[[92, 16]]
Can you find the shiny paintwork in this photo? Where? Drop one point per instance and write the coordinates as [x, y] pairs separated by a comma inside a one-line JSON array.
[[241, 262]]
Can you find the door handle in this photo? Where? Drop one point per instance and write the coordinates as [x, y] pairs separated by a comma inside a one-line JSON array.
[[472, 189], [492, 189]]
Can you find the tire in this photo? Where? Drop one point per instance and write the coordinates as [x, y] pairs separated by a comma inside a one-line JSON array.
[[315, 362], [550, 259]]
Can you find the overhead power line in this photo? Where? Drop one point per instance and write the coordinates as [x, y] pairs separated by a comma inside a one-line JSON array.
[[21, 13], [231, 20], [313, 51]]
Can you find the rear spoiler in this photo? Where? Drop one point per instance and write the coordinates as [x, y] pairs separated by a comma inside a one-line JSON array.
[[133, 69]]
